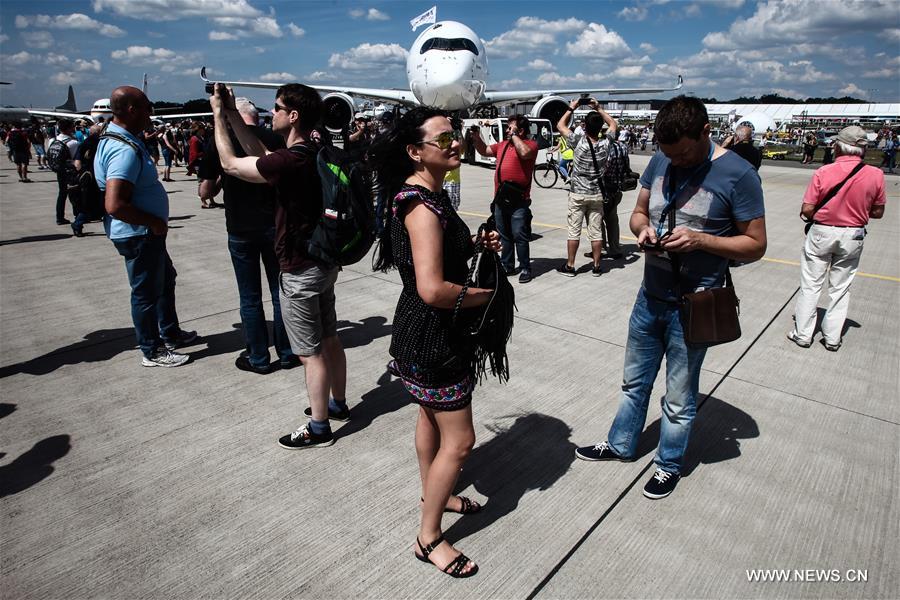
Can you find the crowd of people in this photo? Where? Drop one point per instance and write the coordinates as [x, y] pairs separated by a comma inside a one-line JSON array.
[[699, 209]]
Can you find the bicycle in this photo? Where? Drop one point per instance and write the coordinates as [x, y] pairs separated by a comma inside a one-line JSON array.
[[547, 174]]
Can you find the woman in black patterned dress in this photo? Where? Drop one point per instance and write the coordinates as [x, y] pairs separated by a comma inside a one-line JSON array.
[[429, 244]]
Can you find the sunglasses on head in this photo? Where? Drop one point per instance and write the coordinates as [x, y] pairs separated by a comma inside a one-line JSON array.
[[444, 141]]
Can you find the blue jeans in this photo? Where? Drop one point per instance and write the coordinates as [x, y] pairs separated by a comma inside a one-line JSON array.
[[152, 278], [514, 227], [653, 331], [247, 250]]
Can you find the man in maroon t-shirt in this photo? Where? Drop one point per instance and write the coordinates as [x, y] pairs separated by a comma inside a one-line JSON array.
[[515, 162], [306, 285]]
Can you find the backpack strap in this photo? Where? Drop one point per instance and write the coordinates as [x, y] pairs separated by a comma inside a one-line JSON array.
[[112, 135]]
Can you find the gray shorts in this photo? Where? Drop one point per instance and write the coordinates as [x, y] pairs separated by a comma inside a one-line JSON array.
[[307, 308]]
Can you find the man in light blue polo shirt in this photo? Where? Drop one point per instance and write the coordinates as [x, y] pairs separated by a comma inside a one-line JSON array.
[[139, 213]]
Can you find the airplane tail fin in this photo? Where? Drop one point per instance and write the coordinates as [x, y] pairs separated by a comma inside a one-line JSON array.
[[70, 102]]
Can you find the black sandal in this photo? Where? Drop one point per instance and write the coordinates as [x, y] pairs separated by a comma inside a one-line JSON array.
[[456, 566], [469, 506]]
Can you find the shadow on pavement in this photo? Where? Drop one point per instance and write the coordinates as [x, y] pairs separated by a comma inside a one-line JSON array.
[[96, 346], [531, 454], [353, 334], [389, 396], [717, 431], [36, 238], [7, 409], [33, 466]]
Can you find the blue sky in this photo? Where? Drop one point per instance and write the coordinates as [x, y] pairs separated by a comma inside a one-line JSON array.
[[724, 48]]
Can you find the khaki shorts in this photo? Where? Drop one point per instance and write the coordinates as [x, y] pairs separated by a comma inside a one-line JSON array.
[[307, 308], [583, 207]]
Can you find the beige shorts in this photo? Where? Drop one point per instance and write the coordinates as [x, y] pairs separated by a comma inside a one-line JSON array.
[[583, 207], [307, 308]]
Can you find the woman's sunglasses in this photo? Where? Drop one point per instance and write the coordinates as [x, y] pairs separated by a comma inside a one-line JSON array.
[[445, 140]]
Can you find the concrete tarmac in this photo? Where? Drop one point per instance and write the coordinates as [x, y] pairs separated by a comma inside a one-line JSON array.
[[123, 481]]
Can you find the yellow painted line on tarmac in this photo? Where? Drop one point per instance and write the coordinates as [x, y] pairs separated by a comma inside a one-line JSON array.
[[779, 261]]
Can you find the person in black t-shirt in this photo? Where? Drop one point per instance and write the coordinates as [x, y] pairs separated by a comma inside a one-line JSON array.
[[741, 143], [250, 223], [306, 285]]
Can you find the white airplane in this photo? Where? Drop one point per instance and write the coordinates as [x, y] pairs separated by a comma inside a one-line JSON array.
[[447, 67]]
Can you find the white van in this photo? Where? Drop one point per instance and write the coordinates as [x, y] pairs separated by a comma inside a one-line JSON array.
[[493, 131]]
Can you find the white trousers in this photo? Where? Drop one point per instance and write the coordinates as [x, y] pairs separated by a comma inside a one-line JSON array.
[[832, 253]]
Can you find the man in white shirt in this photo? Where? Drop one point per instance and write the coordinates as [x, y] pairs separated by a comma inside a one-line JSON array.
[[67, 136]]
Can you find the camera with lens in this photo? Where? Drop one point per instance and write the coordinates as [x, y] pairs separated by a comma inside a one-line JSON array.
[[210, 88], [585, 100]]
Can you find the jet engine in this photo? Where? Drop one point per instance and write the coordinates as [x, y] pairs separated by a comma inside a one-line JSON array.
[[339, 111], [550, 108]]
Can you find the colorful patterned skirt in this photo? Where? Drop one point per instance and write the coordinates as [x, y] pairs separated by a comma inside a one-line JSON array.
[[441, 388]]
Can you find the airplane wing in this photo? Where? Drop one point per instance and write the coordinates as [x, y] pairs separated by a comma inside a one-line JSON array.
[[56, 114], [494, 97], [164, 117], [399, 96]]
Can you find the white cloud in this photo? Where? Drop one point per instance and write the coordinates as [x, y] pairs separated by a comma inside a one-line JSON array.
[[891, 35], [278, 77], [296, 31], [648, 47], [369, 56], [318, 76], [541, 65], [555, 79], [18, 59], [171, 10], [851, 90], [692, 10], [508, 83], [596, 42], [257, 26], [803, 20], [66, 78], [633, 13], [3, 38], [143, 52], [628, 72], [76, 21], [218, 36], [163, 59], [80, 64], [37, 39], [531, 34], [373, 14]]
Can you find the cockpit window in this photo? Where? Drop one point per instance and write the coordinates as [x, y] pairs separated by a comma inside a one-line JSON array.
[[449, 45]]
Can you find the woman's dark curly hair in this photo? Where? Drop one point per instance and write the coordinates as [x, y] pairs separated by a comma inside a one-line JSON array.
[[388, 158]]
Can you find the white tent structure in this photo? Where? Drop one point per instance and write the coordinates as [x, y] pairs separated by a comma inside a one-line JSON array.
[[834, 114]]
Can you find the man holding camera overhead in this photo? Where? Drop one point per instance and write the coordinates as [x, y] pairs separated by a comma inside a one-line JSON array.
[[586, 180], [512, 192]]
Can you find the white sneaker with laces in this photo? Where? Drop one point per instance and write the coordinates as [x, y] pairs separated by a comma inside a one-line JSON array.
[[164, 357]]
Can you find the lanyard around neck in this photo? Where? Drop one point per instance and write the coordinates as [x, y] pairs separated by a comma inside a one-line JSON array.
[[671, 193]]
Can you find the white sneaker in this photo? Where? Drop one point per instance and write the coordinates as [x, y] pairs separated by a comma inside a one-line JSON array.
[[164, 357]]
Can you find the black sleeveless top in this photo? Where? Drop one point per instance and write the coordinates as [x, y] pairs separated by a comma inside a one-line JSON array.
[[422, 333]]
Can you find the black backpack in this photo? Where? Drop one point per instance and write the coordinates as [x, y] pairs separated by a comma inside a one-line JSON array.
[[16, 140], [58, 156], [346, 228]]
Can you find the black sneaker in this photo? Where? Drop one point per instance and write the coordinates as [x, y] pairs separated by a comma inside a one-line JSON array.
[[243, 363], [512, 272], [304, 438], [565, 269], [601, 451], [184, 338], [524, 276], [661, 484], [596, 271], [831, 347], [343, 415], [63, 222]]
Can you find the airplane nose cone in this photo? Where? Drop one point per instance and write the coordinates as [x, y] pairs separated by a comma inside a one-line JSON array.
[[449, 80]]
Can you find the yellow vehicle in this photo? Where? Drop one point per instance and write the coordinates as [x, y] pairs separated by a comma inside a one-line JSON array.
[[774, 153]]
